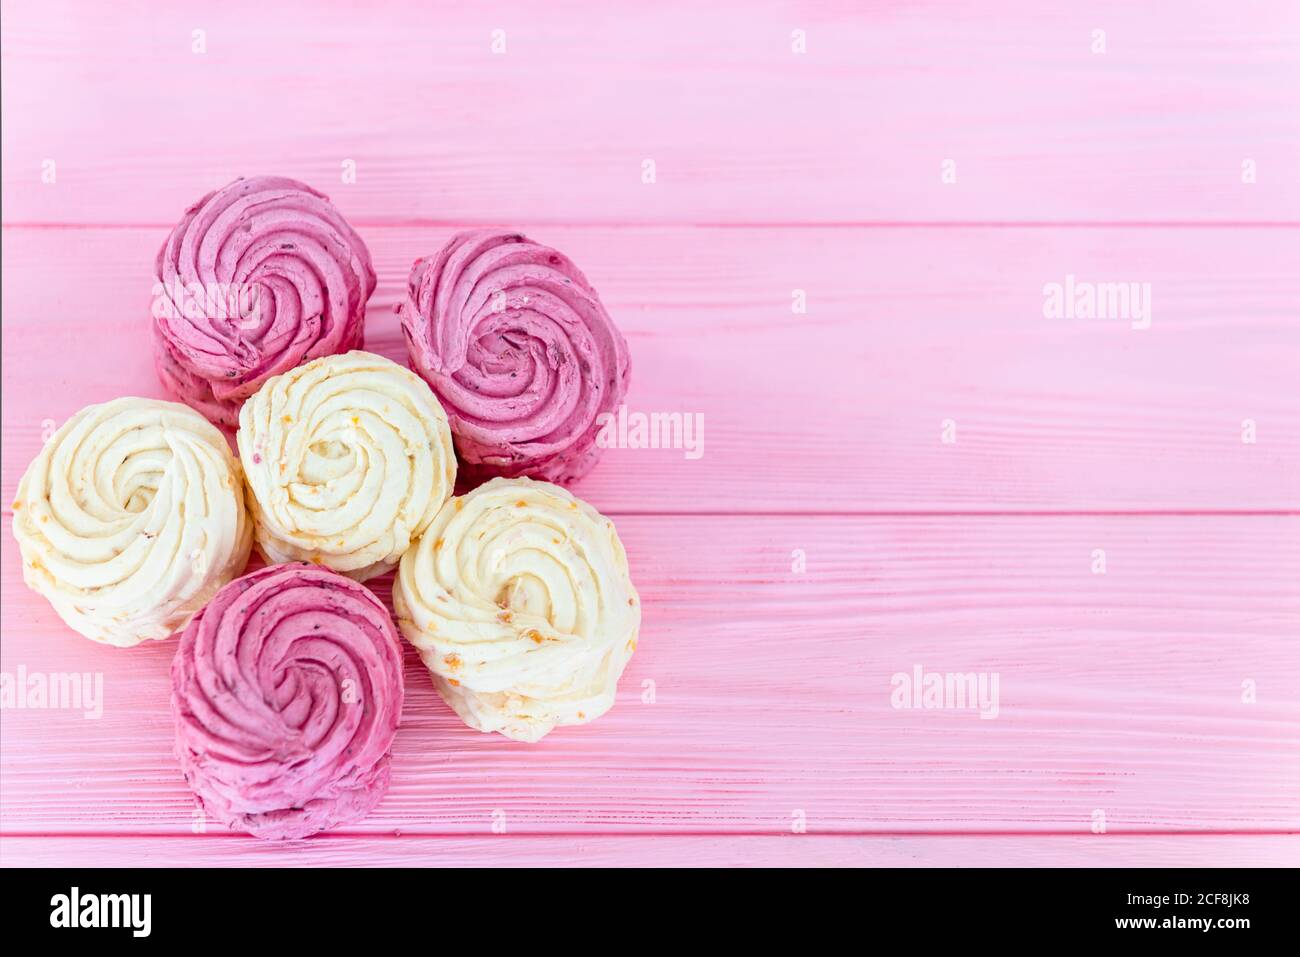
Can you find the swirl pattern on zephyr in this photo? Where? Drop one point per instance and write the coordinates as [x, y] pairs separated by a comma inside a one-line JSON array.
[[521, 352], [130, 518], [257, 277], [348, 458], [519, 600], [286, 695]]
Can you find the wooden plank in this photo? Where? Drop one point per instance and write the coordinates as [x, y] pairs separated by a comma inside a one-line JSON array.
[[1120, 694], [841, 408], [741, 129], [789, 850], [775, 171]]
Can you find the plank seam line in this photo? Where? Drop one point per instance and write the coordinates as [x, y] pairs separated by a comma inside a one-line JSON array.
[[471, 835], [417, 223], [936, 514], [1012, 513], [885, 513]]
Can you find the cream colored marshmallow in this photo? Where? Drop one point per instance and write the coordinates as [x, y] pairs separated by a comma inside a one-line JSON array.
[[131, 518], [348, 459], [519, 599]]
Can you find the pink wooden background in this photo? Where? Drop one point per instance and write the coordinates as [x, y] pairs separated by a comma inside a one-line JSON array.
[[776, 171]]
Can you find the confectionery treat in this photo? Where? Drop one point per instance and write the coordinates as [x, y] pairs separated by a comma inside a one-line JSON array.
[[130, 519], [347, 458], [286, 692], [257, 277], [519, 600], [520, 351]]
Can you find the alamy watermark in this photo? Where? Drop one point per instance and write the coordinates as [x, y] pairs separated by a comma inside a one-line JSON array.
[[946, 691], [654, 430], [1075, 299], [60, 691], [232, 301], [76, 909]]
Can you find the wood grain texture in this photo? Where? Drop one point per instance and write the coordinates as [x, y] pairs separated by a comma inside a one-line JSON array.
[[839, 409], [1120, 693], [741, 129], [788, 850]]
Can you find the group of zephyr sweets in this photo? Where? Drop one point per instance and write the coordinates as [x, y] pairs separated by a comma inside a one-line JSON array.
[[136, 521]]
